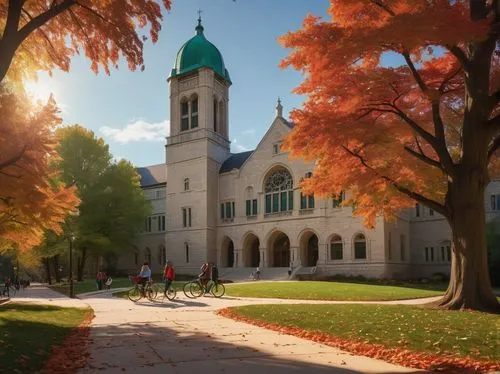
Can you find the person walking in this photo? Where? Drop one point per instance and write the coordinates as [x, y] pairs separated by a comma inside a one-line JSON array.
[[168, 275]]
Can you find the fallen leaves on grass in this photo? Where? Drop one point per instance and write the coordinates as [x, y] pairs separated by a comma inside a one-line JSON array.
[[399, 356], [72, 354]]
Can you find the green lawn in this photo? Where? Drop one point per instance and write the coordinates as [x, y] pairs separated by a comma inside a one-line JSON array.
[[309, 290], [415, 328], [89, 285], [27, 333]]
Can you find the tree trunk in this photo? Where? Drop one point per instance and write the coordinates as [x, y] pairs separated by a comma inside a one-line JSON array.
[[81, 264], [57, 273], [470, 286], [47, 269]]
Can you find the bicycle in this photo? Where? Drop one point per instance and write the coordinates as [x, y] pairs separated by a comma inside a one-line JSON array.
[[139, 290], [195, 289], [170, 294]]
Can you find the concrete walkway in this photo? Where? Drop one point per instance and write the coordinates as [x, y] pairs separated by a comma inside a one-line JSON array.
[[186, 336], [40, 294]]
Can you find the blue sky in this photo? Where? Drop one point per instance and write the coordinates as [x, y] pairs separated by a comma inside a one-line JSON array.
[[130, 110]]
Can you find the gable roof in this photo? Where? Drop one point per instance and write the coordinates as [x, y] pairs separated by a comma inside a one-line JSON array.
[[235, 161], [152, 175]]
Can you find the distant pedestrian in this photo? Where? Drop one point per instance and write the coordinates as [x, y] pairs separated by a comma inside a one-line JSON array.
[[100, 279], [257, 273], [168, 275], [108, 283], [290, 269]]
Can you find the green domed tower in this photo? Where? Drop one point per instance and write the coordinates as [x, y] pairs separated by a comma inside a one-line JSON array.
[[197, 146]]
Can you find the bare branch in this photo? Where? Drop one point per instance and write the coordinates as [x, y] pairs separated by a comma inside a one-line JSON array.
[[460, 55], [493, 147], [404, 190], [424, 158], [384, 7], [415, 73]]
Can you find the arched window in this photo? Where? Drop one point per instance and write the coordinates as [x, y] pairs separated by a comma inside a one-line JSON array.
[[336, 248], [147, 255], [184, 115], [186, 249], [278, 189], [359, 246], [194, 112], [216, 114], [186, 184], [162, 256]]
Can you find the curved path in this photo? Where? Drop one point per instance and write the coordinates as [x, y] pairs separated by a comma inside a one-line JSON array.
[[186, 336]]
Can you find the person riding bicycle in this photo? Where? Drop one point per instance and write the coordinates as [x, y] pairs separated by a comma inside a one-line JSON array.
[[204, 276], [145, 274], [168, 275]]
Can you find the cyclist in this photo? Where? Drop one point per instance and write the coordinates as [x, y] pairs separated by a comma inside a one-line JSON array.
[[145, 274], [204, 276], [168, 275]]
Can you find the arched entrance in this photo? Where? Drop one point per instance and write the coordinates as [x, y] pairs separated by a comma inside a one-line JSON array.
[[251, 256], [227, 253], [309, 249], [279, 250]]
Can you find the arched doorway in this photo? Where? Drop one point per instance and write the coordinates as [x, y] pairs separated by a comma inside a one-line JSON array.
[[227, 253], [279, 245], [309, 249], [251, 255]]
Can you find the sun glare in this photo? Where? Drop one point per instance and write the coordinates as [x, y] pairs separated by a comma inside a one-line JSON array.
[[40, 90]]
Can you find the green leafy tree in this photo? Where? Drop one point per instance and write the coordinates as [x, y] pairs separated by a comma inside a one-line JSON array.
[[113, 207]]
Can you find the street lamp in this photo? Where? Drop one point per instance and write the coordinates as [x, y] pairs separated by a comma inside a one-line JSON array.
[[71, 285]]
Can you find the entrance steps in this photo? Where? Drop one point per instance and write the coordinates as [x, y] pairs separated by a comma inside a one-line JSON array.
[[244, 274]]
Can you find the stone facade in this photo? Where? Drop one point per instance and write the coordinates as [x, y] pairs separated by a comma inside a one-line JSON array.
[[246, 210]]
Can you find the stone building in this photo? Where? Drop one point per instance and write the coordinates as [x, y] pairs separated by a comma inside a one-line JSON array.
[[246, 210]]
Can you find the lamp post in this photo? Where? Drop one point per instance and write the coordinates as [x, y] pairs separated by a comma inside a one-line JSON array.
[[71, 285]]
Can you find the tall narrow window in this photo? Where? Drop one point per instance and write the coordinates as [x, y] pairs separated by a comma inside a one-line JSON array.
[[184, 116], [493, 202], [337, 200], [194, 113], [248, 208], [431, 212], [336, 248], [186, 249], [189, 217], [359, 247], [306, 201], [228, 210], [389, 245], [215, 115], [417, 210], [426, 254], [233, 209], [402, 247], [432, 254], [222, 216], [184, 217], [254, 207], [186, 184]]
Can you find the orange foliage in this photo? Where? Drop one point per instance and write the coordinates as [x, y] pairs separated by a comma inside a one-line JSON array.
[[365, 122], [31, 198], [45, 34], [401, 356]]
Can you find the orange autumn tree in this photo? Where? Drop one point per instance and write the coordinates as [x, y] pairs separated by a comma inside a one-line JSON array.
[[41, 35], [31, 198], [424, 128]]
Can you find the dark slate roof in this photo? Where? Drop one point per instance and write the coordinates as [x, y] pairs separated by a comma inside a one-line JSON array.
[[235, 161], [152, 175]]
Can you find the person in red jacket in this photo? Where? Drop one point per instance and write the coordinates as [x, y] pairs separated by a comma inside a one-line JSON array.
[[168, 275]]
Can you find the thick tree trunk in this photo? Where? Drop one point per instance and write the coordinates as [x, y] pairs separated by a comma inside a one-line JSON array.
[[57, 272], [81, 264], [47, 269], [470, 286]]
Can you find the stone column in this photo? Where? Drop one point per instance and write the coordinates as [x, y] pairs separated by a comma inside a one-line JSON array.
[[322, 253], [295, 256], [240, 262], [262, 258]]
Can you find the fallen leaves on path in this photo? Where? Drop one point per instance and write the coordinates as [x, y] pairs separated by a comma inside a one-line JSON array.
[[73, 353], [404, 357]]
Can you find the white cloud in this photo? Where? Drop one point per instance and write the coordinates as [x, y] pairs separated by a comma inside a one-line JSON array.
[[138, 130], [239, 147]]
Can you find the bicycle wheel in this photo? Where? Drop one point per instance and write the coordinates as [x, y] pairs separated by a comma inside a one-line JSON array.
[[170, 293], [196, 289], [151, 292], [134, 294], [186, 289], [217, 289]]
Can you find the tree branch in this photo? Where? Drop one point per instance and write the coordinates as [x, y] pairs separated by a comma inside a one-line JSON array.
[[493, 148], [404, 190], [415, 73], [424, 158], [460, 55]]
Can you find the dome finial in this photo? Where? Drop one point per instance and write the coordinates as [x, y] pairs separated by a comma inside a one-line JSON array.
[[199, 28], [279, 108]]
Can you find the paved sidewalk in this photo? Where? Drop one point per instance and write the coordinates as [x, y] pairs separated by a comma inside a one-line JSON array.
[[40, 294], [186, 336]]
